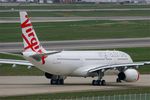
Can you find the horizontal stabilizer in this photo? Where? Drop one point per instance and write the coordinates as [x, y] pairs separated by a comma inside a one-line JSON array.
[[38, 57]]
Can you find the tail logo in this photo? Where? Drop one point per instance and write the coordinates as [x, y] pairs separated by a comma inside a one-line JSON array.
[[30, 38], [32, 44]]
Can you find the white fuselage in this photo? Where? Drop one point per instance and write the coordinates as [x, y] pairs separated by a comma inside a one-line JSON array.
[[77, 63]]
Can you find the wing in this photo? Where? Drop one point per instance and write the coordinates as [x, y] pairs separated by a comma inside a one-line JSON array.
[[115, 66], [15, 62]]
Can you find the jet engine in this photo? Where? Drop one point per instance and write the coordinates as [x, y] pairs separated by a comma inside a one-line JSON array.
[[129, 75]]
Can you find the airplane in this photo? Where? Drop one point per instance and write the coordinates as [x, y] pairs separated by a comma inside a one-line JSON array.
[[58, 65]]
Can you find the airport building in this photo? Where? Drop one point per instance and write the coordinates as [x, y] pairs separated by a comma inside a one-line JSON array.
[[27, 1], [116, 1], [101, 1]]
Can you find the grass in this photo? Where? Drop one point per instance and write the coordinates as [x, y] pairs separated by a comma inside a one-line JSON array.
[[137, 54], [79, 14], [69, 95], [7, 70], [11, 32], [70, 6]]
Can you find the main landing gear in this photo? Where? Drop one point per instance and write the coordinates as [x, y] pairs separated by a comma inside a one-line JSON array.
[[121, 76], [118, 80], [99, 81], [57, 81]]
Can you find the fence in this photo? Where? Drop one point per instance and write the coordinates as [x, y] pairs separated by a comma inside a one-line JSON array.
[[145, 96]]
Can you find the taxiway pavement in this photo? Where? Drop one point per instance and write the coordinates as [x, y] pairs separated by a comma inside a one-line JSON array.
[[81, 44], [27, 85], [69, 10], [63, 19]]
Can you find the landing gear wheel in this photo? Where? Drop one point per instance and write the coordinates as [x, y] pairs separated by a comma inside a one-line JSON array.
[[53, 82], [57, 81], [94, 82], [98, 82], [103, 82], [118, 80], [61, 81]]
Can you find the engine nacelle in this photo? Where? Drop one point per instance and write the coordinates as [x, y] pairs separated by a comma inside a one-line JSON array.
[[129, 75]]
